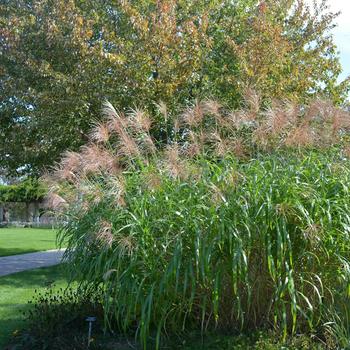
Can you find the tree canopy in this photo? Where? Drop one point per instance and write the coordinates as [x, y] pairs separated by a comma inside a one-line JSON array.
[[60, 59]]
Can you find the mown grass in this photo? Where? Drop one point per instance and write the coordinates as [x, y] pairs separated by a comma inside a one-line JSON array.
[[15, 292], [26, 240]]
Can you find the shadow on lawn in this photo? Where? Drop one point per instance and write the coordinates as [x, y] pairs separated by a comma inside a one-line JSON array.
[[10, 326], [15, 251], [34, 278]]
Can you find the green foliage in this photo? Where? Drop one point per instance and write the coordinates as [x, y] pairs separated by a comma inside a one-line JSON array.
[[233, 246], [61, 58], [57, 319], [26, 191], [338, 327]]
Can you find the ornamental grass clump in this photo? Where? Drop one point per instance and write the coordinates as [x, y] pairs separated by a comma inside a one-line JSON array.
[[229, 220]]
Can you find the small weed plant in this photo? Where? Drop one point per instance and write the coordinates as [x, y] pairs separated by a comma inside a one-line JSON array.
[[57, 319]]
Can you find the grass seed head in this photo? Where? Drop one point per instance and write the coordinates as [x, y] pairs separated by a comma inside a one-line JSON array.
[[140, 120], [253, 100], [55, 201], [211, 107], [104, 235], [194, 115], [100, 133], [301, 136]]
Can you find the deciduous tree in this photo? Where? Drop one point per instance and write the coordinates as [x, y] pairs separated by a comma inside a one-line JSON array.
[[59, 59]]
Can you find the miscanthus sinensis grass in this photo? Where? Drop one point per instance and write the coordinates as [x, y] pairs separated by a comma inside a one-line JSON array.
[[232, 220]]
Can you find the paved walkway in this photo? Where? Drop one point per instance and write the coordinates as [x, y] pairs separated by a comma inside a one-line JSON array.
[[22, 262]]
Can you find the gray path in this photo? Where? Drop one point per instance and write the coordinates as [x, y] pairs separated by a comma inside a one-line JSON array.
[[22, 262]]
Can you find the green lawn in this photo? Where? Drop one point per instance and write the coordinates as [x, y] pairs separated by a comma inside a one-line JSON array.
[[15, 292], [25, 240]]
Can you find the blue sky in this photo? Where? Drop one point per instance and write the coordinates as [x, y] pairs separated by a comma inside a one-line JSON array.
[[342, 32]]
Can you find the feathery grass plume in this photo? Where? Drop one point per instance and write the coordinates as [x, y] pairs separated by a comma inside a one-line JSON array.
[[313, 111], [324, 109], [126, 245], [140, 124], [96, 159], [346, 151], [60, 172], [92, 192], [252, 100], [127, 146], [340, 122], [71, 161], [242, 119], [203, 137], [238, 148], [337, 123], [236, 119], [100, 133], [300, 136], [224, 146], [292, 111], [211, 107], [68, 168], [115, 190], [55, 201], [194, 146], [146, 146], [109, 111], [163, 110], [152, 180], [104, 235], [116, 122], [216, 111], [91, 158], [330, 124], [174, 165], [261, 137], [193, 116], [177, 123], [219, 144], [217, 196], [140, 120], [276, 120]]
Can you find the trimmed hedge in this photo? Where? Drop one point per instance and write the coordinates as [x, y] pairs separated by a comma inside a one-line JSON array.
[[26, 191]]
